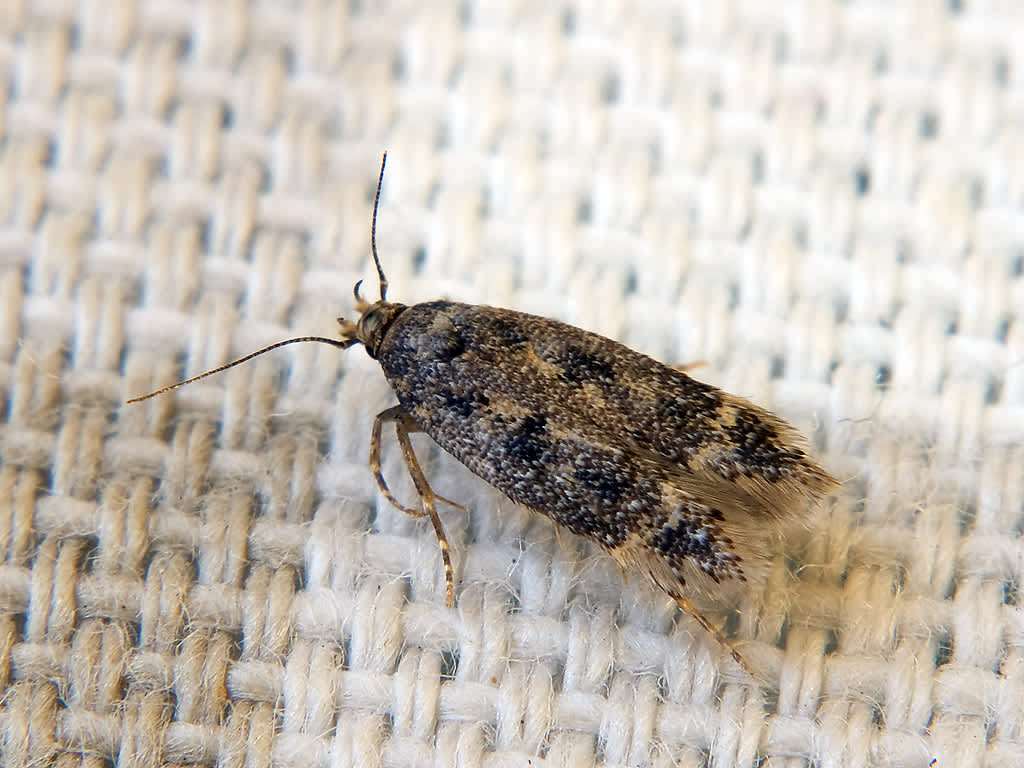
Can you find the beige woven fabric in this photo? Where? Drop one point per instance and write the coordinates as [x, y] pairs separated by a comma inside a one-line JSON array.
[[822, 200]]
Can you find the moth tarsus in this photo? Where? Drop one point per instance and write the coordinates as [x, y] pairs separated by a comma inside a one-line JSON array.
[[673, 477]]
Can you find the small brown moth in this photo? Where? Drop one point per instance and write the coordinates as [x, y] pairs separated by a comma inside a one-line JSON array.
[[674, 478]]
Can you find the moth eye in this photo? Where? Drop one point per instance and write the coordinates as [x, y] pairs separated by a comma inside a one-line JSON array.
[[371, 321]]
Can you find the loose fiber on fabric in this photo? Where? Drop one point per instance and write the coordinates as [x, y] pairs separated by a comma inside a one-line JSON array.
[[820, 201]]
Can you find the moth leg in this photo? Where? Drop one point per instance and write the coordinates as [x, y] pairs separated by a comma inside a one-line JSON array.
[[715, 632], [397, 415], [391, 414], [690, 366], [427, 497], [403, 426]]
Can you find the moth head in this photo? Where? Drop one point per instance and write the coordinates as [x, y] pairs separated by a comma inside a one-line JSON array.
[[374, 319]]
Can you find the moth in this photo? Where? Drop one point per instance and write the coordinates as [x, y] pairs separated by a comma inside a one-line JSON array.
[[675, 478]]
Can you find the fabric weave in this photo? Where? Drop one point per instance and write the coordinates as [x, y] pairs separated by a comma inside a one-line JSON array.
[[817, 199]]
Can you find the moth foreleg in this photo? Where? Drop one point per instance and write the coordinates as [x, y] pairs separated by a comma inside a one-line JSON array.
[[404, 425], [397, 415], [394, 414]]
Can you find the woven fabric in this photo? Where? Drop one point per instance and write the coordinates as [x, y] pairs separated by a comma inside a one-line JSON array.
[[820, 200]]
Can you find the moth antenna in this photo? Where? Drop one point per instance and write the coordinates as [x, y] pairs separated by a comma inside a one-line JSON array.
[[373, 231], [355, 291], [344, 344]]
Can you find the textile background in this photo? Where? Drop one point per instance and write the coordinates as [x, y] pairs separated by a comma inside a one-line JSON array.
[[819, 200]]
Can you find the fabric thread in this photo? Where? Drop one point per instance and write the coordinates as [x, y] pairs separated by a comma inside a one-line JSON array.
[[819, 200]]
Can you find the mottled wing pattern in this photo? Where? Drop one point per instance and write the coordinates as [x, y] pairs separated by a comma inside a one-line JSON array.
[[671, 475]]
